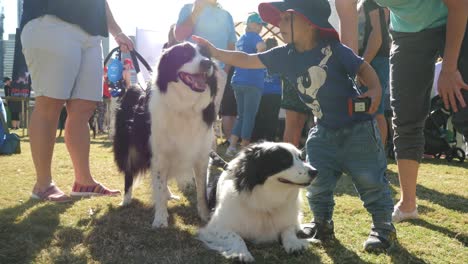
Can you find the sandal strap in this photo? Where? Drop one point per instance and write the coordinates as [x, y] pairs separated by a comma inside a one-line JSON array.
[[52, 193], [96, 189]]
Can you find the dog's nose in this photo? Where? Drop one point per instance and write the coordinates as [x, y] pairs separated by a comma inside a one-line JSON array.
[[312, 173], [205, 65]]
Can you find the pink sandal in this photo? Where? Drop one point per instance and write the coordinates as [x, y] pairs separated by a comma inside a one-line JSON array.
[[92, 190], [53, 194]]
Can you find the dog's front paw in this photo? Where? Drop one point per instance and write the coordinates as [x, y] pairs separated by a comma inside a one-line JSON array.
[[160, 221], [126, 200], [242, 257], [295, 245]]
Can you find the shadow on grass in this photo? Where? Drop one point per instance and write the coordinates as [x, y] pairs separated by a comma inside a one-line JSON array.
[[461, 237], [340, 254], [449, 201], [399, 254], [125, 235], [27, 229]]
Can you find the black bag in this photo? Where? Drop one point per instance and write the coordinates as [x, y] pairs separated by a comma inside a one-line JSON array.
[[11, 145], [114, 71]]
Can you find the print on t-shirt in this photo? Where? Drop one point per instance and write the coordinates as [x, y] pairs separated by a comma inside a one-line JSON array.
[[310, 82]]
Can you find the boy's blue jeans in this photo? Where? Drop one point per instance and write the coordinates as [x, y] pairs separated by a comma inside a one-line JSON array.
[[358, 152], [248, 100]]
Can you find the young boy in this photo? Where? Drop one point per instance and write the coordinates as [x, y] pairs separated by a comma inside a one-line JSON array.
[[322, 69]]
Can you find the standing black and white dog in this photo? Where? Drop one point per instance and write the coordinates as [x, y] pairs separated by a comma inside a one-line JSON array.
[[258, 199], [170, 130]]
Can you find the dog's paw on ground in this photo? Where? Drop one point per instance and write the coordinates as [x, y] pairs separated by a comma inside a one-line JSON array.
[[295, 245], [159, 222], [242, 257]]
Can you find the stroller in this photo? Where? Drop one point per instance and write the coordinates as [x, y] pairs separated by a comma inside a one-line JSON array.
[[439, 139]]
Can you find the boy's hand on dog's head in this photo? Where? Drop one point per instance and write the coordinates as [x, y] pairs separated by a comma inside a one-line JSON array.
[[205, 43]]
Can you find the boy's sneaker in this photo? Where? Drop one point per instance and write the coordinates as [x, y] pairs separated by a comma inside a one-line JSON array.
[[317, 231], [380, 239], [231, 152], [398, 216]]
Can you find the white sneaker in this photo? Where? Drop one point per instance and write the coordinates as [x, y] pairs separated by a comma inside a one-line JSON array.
[[398, 216], [231, 152]]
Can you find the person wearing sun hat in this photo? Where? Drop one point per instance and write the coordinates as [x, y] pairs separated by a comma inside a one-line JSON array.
[[322, 70], [247, 85]]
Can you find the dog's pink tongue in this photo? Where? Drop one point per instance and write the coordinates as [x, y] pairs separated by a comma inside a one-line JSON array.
[[199, 81]]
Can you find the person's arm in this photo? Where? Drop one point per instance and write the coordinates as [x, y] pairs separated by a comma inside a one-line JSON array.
[[375, 36], [227, 67], [235, 58], [347, 12], [184, 30], [450, 80], [370, 78], [124, 42]]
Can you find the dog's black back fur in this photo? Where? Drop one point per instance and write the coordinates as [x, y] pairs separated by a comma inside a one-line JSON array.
[[257, 163], [133, 130]]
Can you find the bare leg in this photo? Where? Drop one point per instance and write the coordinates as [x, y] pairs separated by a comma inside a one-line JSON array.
[[227, 125], [383, 127], [293, 127], [408, 174], [42, 130], [77, 138], [15, 123], [233, 141], [245, 142]]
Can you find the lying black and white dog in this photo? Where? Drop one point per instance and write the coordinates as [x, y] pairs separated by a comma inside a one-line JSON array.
[[258, 199], [169, 130]]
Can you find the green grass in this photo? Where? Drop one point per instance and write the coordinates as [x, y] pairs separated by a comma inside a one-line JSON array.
[[97, 230]]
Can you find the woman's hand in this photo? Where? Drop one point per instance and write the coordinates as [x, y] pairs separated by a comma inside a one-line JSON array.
[[125, 43], [449, 87], [199, 5]]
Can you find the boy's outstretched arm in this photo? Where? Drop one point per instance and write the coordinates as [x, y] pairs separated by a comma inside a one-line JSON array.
[[234, 58], [370, 78]]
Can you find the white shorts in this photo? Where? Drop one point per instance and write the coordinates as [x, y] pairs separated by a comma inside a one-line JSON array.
[[64, 61]]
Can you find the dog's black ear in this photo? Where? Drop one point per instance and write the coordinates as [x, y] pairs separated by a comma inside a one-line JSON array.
[[171, 61], [257, 163], [212, 82], [209, 114]]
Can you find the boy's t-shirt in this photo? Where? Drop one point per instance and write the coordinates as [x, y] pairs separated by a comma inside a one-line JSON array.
[[323, 79], [250, 77]]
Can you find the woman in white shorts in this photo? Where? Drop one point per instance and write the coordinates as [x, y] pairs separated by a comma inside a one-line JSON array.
[[62, 46]]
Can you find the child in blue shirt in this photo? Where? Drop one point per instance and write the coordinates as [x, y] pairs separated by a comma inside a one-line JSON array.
[[322, 70], [247, 85]]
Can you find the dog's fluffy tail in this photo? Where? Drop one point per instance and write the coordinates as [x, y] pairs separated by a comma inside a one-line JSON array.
[[132, 153]]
